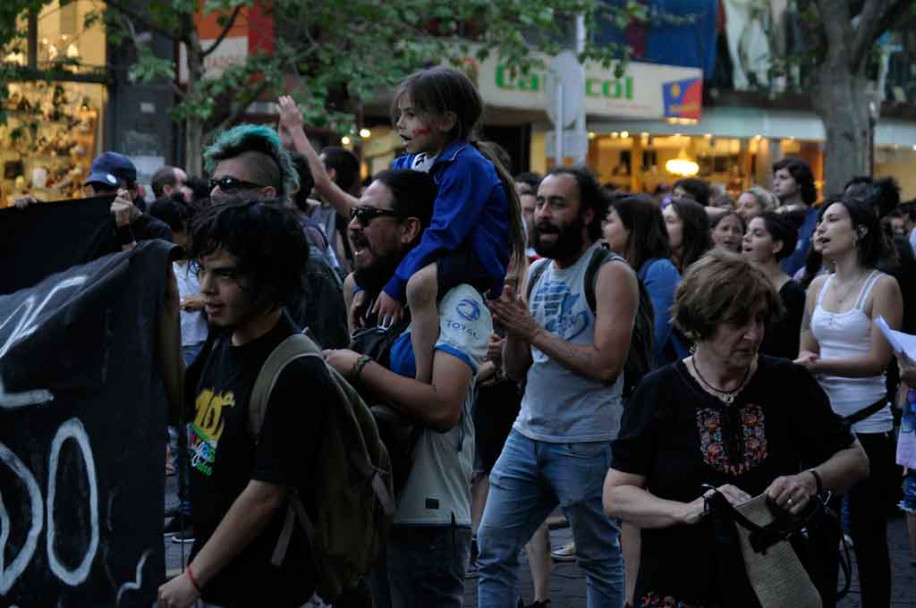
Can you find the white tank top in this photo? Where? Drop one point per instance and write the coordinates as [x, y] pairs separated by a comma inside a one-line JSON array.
[[844, 335]]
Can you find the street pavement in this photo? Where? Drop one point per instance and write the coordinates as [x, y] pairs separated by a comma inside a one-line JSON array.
[[567, 582]]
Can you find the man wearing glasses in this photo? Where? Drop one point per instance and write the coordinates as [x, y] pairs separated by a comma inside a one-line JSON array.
[[249, 161], [429, 545]]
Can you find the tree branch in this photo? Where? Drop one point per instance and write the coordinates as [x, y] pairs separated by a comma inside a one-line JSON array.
[[223, 33], [142, 20], [866, 32], [239, 108]]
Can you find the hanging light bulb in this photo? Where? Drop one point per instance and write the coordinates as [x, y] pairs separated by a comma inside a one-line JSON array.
[[682, 165]]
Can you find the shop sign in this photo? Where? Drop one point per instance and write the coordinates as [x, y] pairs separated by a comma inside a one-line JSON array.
[[645, 90]]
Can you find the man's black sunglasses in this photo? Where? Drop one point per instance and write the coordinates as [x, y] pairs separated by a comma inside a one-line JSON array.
[[365, 214], [230, 184]]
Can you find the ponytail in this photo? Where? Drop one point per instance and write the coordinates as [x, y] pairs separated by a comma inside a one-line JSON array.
[[493, 153]]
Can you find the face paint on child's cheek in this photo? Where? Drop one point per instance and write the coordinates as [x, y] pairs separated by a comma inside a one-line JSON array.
[[421, 131]]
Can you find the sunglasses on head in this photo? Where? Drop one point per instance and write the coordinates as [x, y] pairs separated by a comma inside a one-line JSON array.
[[365, 214], [230, 184]]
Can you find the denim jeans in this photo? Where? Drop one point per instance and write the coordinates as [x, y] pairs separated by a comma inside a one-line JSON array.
[[529, 480], [424, 566]]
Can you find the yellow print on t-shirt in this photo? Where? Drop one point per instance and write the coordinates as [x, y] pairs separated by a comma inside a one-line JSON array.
[[209, 419], [207, 428]]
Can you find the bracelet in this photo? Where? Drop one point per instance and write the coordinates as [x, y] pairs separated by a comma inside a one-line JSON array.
[[817, 480], [191, 578], [360, 364]]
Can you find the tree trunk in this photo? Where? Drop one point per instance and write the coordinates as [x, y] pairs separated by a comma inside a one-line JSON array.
[[841, 100]]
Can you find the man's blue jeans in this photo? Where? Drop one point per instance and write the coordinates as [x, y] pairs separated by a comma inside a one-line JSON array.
[[529, 480]]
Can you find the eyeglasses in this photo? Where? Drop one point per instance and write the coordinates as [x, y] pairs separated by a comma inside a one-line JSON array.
[[364, 214], [230, 184]]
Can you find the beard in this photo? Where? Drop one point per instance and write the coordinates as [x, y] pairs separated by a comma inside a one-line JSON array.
[[373, 277], [567, 244]]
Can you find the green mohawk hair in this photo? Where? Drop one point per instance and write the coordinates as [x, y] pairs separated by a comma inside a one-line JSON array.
[[254, 138]]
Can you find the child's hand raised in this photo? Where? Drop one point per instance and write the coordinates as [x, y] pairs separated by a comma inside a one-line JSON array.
[[388, 311], [290, 114]]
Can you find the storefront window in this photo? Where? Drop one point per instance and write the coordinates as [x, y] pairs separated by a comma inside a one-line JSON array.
[[53, 127]]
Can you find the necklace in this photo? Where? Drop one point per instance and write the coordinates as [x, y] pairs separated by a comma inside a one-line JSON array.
[[728, 397]]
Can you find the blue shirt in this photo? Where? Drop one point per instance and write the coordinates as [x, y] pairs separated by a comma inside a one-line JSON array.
[[796, 260], [661, 279], [471, 208]]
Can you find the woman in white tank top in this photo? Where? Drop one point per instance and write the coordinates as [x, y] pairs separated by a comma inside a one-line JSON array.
[[848, 355]]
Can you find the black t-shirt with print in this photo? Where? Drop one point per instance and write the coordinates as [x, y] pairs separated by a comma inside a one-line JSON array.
[[679, 437], [224, 457]]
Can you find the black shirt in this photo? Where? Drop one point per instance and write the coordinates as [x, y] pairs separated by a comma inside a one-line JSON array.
[[679, 437], [225, 457], [782, 338]]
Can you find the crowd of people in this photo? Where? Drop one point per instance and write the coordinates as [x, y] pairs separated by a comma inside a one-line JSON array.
[[524, 344]]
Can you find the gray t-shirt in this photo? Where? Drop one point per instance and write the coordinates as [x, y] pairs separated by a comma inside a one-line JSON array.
[[438, 490], [560, 405]]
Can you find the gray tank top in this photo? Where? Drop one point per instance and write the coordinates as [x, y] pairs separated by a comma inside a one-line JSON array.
[[561, 406]]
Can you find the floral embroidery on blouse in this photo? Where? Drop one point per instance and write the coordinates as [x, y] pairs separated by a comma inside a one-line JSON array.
[[748, 451], [654, 600]]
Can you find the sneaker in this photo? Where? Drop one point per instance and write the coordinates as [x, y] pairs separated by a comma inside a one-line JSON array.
[[184, 537], [472, 563], [566, 553], [179, 534], [544, 604]]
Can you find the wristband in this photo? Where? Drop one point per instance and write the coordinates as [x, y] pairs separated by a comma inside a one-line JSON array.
[[191, 578], [817, 480], [360, 364]]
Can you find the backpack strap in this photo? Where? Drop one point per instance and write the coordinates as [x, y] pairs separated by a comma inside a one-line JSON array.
[[599, 258], [537, 270], [293, 347]]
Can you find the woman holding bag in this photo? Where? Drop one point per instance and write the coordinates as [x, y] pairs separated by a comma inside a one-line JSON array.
[[725, 417]]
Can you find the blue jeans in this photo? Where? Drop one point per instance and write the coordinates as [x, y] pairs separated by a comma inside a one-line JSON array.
[[529, 480], [423, 567]]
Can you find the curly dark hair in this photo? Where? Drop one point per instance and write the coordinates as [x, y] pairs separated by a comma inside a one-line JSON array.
[[264, 237]]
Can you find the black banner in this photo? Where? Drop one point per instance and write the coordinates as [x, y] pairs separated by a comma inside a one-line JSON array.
[[45, 238], [82, 435]]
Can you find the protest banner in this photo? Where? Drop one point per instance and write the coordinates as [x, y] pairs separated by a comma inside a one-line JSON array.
[[82, 435]]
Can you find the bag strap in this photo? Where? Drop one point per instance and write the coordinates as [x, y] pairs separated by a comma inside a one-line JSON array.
[[599, 257], [537, 270], [865, 412], [293, 347]]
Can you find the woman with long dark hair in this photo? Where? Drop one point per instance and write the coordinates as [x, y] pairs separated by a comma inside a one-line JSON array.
[[846, 352], [688, 232], [635, 229]]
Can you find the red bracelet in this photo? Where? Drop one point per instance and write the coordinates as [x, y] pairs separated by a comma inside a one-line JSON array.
[[192, 579]]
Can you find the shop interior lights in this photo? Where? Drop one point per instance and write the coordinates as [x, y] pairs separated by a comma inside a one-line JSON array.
[[682, 165]]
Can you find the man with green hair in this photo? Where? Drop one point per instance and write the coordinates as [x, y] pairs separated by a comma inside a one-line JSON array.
[[249, 160]]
